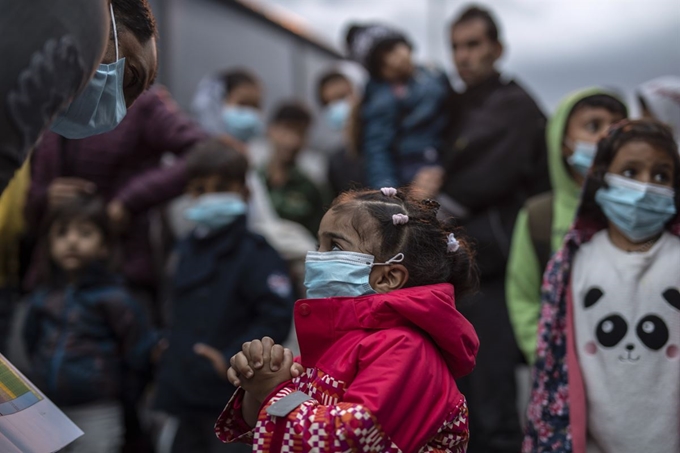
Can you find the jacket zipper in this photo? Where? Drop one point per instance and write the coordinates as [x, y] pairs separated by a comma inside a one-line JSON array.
[[61, 344]]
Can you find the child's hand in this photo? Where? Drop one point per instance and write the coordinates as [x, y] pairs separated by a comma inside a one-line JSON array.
[[259, 353]]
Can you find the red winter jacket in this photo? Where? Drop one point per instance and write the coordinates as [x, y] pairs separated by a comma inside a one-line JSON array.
[[380, 377]]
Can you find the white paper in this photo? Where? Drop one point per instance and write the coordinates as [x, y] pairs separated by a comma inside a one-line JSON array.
[[29, 422]]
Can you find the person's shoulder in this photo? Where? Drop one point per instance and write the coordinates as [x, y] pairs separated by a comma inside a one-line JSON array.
[[512, 92]]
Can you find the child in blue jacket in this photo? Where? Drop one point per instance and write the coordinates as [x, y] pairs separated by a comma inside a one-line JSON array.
[[83, 327], [228, 286], [405, 107]]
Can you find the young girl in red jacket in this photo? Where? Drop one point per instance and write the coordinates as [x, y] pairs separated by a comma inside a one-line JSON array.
[[607, 371], [381, 340]]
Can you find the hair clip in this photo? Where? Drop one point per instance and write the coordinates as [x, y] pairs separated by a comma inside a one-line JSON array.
[[400, 219], [389, 191], [452, 244]]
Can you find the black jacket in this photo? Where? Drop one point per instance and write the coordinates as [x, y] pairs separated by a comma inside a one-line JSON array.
[[495, 159], [228, 288]]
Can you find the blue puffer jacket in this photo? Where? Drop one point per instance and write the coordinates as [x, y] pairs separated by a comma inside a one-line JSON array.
[[228, 288], [78, 338], [403, 126]]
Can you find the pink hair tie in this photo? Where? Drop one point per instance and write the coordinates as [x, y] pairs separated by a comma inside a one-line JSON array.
[[400, 219], [452, 244], [389, 192]]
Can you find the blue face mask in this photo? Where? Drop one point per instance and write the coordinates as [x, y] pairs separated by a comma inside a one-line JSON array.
[[216, 210], [640, 211], [340, 274], [242, 123], [582, 158], [101, 106], [337, 114]]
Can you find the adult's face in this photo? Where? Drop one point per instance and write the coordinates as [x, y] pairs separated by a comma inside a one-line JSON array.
[[474, 53], [141, 63]]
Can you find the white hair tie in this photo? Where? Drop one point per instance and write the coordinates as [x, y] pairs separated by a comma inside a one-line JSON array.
[[452, 244], [400, 219]]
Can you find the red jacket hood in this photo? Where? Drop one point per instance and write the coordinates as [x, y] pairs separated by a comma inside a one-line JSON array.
[[429, 308]]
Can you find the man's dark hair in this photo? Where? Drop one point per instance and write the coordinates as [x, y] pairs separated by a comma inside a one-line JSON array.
[[475, 12], [237, 77], [136, 17], [291, 113], [215, 157], [605, 101], [325, 79]]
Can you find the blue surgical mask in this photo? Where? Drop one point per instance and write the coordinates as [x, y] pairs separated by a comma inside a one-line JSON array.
[[101, 106], [337, 113], [242, 123], [640, 211], [582, 158], [340, 274], [216, 210]]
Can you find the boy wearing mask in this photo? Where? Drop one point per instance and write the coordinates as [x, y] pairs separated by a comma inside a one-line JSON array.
[[336, 97], [581, 120], [228, 286]]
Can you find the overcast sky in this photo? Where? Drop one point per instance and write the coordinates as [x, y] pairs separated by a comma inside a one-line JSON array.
[[552, 46]]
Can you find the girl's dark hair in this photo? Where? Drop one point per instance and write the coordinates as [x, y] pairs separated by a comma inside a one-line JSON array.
[[236, 78], [375, 60], [82, 208], [649, 131], [423, 239]]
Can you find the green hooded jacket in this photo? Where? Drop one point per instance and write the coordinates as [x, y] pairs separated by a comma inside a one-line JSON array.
[[524, 275]]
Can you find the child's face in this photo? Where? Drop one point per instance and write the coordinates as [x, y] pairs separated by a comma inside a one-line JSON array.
[[644, 163], [288, 139], [337, 233], [213, 184], [588, 124], [245, 95], [75, 244], [397, 64]]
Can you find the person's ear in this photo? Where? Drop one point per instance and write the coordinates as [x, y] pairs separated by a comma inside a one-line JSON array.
[[384, 279], [498, 50]]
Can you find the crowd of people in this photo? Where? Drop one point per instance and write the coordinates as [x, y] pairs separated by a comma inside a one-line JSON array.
[[457, 235]]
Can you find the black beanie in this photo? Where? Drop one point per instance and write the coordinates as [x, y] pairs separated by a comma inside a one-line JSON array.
[[363, 40]]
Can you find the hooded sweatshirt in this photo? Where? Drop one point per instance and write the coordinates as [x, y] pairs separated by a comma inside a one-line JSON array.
[[524, 273], [380, 377], [662, 98]]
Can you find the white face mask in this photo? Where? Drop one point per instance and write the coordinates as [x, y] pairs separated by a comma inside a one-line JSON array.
[[341, 274]]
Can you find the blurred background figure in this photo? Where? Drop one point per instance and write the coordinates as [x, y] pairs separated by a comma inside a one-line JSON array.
[[403, 110], [337, 97], [495, 160], [580, 122], [660, 100], [228, 286]]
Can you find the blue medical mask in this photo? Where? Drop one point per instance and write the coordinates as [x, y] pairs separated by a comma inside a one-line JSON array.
[[242, 123], [340, 274], [337, 113], [582, 158], [640, 211], [101, 106], [216, 210]]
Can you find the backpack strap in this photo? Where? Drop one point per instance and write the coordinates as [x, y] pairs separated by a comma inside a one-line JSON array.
[[540, 219]]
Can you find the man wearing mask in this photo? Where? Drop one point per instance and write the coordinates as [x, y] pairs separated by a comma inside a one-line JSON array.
[[49, 72], [495, 160], [336, 96]]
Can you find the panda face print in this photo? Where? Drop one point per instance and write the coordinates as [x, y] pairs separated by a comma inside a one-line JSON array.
[[631, 339]]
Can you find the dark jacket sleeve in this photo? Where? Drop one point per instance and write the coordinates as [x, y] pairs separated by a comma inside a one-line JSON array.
[[266, 285], [507, 153], [132, 329], [380, 115], [31, 329], [166, 129], [44, 169]]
